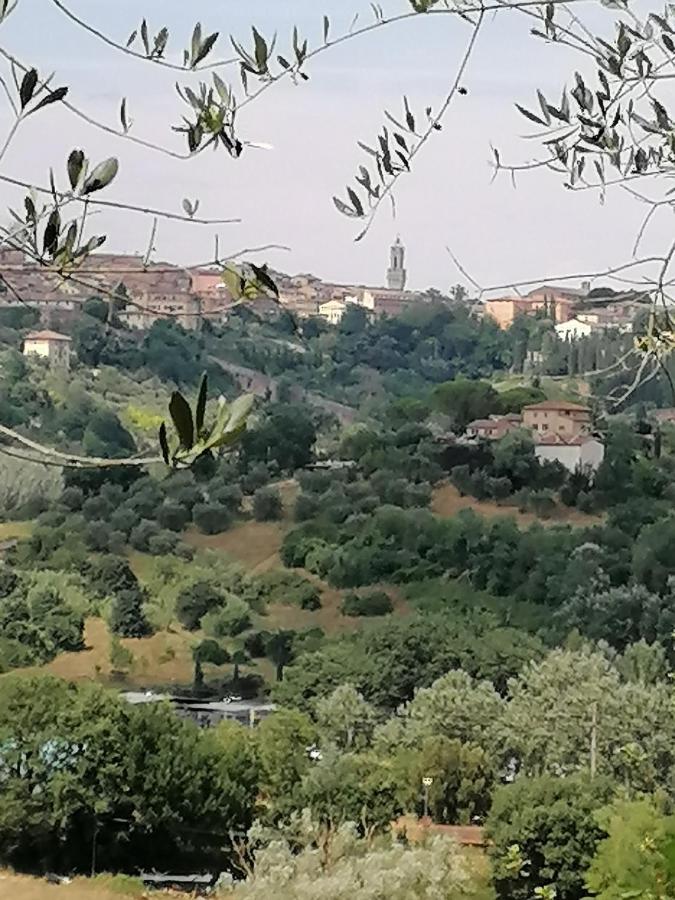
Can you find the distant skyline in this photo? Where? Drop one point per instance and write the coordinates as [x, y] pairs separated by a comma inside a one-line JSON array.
[[500, 235]]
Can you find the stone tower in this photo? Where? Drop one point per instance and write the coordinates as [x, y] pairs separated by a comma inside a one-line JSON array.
[[396, 273]]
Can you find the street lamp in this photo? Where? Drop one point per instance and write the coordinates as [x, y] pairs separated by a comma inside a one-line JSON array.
[[427, 781]]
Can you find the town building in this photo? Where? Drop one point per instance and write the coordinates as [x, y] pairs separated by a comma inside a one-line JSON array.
[[574, 329], [49, 345], [396, 273], [494, 427], [554, 303], [557, 417], [573, 452], [332, 311]]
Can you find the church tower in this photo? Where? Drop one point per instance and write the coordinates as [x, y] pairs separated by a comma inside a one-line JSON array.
[[396, 273]]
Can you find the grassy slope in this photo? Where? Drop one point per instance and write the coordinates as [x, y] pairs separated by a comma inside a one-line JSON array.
[[23, 887], [165, 659], [447, 502]]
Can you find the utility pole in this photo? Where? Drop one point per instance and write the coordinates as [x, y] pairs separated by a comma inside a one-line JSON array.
[[594, 739], [426, 783]]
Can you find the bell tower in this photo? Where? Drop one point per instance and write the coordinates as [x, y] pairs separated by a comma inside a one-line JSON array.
[[396, 273]]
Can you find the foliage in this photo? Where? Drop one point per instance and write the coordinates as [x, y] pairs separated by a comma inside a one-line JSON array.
[[636, 857], [544, 833], [126, 615], [346, 867], [377, 603], [267, 505], [109, 761]]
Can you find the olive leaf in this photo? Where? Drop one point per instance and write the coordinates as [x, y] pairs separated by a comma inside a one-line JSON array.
[[52, 97], [194, 438], [76, 163], [27, 89], [181, 414], [101, 176], [201, 404]]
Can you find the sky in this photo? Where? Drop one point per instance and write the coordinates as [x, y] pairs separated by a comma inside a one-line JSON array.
[[500, 234]]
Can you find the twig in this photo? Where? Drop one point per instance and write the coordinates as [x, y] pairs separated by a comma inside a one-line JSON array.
[[114, 204], [129, 52], [433, 124]]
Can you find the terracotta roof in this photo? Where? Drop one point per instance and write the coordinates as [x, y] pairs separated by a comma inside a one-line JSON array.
[[46, 336], [482, 423], [561, 440], [557, 404]]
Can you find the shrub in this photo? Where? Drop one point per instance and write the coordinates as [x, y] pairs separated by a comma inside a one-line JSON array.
[[267, 505], [123, 519], [126, 615], [163, 543], [184, 551], [228, 495], [188, 496], [97, 536], [376, 604], [9, 580], [228, 620], [212, 518], [173, 517], [542, 503], [141, 534], [96, 509], [289, 588], [306, 507], [195, 601], [256, 477], [255, 644], [72, 498], [117, 542]]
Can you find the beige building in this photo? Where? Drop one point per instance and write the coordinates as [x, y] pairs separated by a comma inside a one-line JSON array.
[[333, 311], [49, 345], [557, 417]]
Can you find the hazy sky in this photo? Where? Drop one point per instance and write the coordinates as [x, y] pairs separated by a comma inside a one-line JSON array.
[[284, 195]]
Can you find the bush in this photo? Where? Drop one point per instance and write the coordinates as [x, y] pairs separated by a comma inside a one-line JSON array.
[[9, 580], [117, 543], [542, 503], [267, 505], [163, 543], [96, 509], [306, 507], [72, 498], [228, 620], [256, 477], [255, 644], [141, 534], [123, 519], [376, 604], [289, 588], [228, 495], [97, 536], [127, 618], [195, 601], [172, 516], [212, 518], [184, 551]]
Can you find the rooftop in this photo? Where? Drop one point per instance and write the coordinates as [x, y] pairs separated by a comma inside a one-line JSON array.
[[46, 336], [557, 405], [559, 440]]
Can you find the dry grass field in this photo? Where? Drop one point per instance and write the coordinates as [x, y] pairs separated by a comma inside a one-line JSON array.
[[447, 502], [23, 887]]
